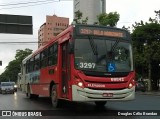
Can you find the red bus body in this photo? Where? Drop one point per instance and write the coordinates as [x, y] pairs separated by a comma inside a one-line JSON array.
[[79, 84]]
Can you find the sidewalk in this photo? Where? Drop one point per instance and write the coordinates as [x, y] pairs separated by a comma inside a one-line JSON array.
[[157, 93]]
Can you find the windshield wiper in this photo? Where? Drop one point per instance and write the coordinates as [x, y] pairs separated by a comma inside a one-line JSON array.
[[114, 46], [93, 45]]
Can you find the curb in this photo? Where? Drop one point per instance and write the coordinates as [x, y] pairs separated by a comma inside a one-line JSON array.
[[149, 93]]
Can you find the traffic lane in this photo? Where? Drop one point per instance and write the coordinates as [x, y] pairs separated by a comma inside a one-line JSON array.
[[141, 102], [18, 101]]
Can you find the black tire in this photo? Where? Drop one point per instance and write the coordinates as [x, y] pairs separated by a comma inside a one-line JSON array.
[[100, 103], [54, 97], [36, 96]]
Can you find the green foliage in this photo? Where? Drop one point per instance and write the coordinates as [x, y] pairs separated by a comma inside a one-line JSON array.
[[109, 19], [13, 67], [126, 28], [21, 54], [146, 45], [146, 42], [78, 18]]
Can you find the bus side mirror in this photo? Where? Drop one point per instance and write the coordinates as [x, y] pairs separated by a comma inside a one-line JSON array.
[[71, 47]]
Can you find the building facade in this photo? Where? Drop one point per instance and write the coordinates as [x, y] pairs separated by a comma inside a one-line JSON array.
[[51, 28], [90, 9]]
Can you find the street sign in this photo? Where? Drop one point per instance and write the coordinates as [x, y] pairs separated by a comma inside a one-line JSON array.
[[16, 24]]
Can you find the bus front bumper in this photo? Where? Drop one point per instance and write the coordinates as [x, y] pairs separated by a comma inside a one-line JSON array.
[[86, 94]]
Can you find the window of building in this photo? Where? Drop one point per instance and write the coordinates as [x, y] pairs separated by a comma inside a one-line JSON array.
[[55, 34]]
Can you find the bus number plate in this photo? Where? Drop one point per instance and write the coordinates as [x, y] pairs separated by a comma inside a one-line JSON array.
[[107, 94]]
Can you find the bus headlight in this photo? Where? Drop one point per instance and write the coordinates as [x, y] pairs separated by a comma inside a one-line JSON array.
[[15, 86], [80, 84], [131, 83]]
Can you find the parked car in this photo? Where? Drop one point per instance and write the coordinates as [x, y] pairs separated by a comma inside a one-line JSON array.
[[7, 87], [140, 86], [14, 85]]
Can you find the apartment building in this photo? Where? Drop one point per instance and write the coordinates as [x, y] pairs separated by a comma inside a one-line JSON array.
[[51, 28]]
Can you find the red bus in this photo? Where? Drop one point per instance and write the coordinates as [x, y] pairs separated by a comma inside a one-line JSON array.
[[83, 63]]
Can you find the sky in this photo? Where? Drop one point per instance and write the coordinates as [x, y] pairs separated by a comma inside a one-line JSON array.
[[130, 11]]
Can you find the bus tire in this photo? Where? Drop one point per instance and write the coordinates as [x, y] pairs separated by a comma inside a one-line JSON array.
[[54, 97], [36, 96], [100, 103]]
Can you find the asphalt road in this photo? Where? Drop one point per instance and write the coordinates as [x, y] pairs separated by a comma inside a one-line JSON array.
[[18, 104]]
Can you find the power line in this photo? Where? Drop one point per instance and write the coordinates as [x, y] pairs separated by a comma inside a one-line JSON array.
[[34, 3], [28, 5], [21, 3], [18, 38], [21, 42]]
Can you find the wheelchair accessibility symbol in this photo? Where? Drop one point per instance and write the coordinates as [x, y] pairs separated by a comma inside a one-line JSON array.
[[111, 67]]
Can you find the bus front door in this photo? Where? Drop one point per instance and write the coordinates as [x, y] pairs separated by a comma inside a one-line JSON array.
[[65, 69]]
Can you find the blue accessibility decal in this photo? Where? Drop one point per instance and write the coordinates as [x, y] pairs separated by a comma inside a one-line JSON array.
[[111, 67]]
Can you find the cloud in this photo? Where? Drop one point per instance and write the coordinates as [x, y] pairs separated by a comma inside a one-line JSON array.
[[132, 11]]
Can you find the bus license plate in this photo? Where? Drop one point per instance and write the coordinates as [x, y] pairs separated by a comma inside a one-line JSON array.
[[107, 94]]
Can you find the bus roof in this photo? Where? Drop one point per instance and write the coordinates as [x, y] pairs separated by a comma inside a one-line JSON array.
[[27, 58], [53, 40], [70, 28]]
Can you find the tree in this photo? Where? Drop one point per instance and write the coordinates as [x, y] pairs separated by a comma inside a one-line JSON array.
[[126, 28], [146, 42], [13, 67], [109, 19], [78, 18], [21, 54]]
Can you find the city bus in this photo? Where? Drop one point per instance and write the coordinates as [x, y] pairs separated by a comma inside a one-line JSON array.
[[83, 63]]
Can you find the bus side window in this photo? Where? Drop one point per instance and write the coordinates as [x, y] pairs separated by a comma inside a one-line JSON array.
[[44, 58], [52, 54], [37, 62], [31, 65]]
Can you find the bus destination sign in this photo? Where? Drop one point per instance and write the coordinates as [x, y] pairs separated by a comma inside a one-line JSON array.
[[101, 31]]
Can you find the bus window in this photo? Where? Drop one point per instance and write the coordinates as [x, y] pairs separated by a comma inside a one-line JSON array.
[[37, 62], [44, 58], [53, 50]]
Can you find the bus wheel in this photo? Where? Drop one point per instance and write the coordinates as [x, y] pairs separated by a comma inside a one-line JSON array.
[[54, 97], [36, 96], [100, 103]]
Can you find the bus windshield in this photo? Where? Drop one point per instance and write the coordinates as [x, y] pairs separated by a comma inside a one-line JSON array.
[[103, 55]]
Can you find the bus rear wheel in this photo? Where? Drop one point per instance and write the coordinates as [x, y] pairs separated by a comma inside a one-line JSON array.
[[54, 97], [100, 103]]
